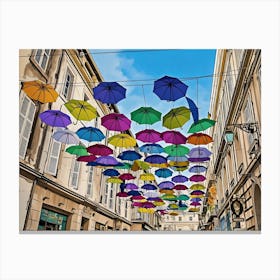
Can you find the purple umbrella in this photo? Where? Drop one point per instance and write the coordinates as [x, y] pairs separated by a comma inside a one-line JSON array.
[[66, 136], [196, 199], [197, 169], [197, 178], [179, 179], [149, 187], [198, 159], [109, 92], [173, 137], [158, 199], [107, 160], [148, 205], [199, 152], [151, 194], [148, 136], [155, 159], [55, 118], [166, 185], [116, 122], [195, 203], [131, 186], [169, 88], [197, 193]]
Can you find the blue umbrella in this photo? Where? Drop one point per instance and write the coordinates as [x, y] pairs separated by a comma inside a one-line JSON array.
[[134, 193], [193, 108], [109, 92], [179, 179], [92, 163], [122, 187], [129, 155], [111, 172], [149, 187], [166, 185], [196, 199], [155, 159], [90, 134], [152, 149], [177, 159], [199, 159], [199, 152], [163, 172], [169, 88], [197, 169]]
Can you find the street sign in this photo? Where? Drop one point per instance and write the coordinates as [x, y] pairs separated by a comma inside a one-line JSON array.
[[238, 219]]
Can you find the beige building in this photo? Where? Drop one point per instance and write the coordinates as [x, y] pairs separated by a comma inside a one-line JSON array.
[[186, 221], [56, 192], [234, 171]]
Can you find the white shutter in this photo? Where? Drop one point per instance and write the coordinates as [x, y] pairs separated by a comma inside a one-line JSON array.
[[90, 179], [75, 174], [26, 118], [53, 157]]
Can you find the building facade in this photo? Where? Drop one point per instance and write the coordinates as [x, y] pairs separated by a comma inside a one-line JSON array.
[[234, 171], [185, 221], [56, 192]]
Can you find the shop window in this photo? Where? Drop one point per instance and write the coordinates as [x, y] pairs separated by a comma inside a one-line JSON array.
[[42, 57], [74, 177], [53, 157], [50, 220], [68, 85], [26, 118], [90, 181]]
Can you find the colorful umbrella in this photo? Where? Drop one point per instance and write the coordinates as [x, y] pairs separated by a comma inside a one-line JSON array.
[[137, 197], [193, 209], [107, 160], [163, 172], [114, 180], [124, 165], [197, 169], [176, 117], [148, 136], [196, 199], [199, 152], [173, 213], [197, 178], [179, 163], [152, 194], [199, 139], [109, 92], [166, 185], [166, 191], [55, 118], [111, 172], [138, 164], [89, 158], [129, 155], [126, 176], [116, 122], [81, 110], [149, 187], [182, 197], [122, 194], [136, 204], [169, 197], [148, 205], [155, 159], [145, 115], [147, 177], [159, 203], [195, 203], [197, 187], [180, 187], [179, 179], [179, 168], [176, 150], [151, 149], [90, 134], [197, 193], [201, 125], [169, 88], [39, 91], [66, 136], [134, 193], [100, 150], [77, 150], [199, 159], [122, 140], [177, 159], [173, 137], [173, 206], [193, 109], [131, 186]]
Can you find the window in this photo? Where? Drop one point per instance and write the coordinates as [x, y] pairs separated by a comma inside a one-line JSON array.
[[53, 157], [68, 85], [229, 78], [26, 117], [248, 116], [42, 57], [111, 197], [190, 218], [106, 194], [90, 180], [119, 202], [74, 176], [180, 219]]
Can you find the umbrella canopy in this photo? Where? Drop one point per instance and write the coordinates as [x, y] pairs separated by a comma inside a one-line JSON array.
[[139, 164], [179, 168], [123, 165], [197, 178], [193, 209], [166, 191], [122, 140], [136, 204], [169, 197], [147, 177], [111, 172], [169, 88], [109, 92], [151, 149], [145, 115], [55, 118], [179, 179], [197, 193], [155, 159], [89, 158], [107, 160], [179, 163], [114, 180], [199, 139], [173, 213], [173, 206], [193, 109], [177, 159], [77, 150], [180, 187], [148, 205], [100, 150], [138, 197], [201, 125], [149, 187], [195, 203], [131, 186], [129, 155], [199, 152], [122, 194], [176, 117], [197, 187], [196, 199], [176, 150], [81, 110], [40, 91], [199, 159], [90, 134], [163, 172], [134, 193], [159, 203], [116, 122], [173, 137], [197, 169], [152, 194], [66, 136], [183, 197], [166, 185], [126, 176], [148, 136]]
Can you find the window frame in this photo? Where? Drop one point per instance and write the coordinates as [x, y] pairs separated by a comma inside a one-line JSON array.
[[75, 187], [50, 155], [68, 95], [41, 56]]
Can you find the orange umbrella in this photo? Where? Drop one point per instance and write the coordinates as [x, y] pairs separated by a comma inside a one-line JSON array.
[[199, 139], [39, 91]]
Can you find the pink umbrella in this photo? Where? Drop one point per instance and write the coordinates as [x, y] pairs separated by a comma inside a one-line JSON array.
[[197, 178], [137, 204], [148, 136], [89, 158], [137, 197], [100, 149], [173, 137], [180, 187], [195, 203], [116, 122], [122, 194], [148, 205], [126, 176]]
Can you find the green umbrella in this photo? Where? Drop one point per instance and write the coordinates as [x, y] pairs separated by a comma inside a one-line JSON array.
[[176, 117], [176, 150], [77, 150], [124, 166], [183, 208], [169, 197], [145, 115], [201, 125], [183, 197]]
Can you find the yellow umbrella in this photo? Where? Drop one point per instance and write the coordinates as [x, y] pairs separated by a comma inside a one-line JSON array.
[[173, 213], [40, 91], [167, 191], [147, 177], [158, 203], [179, 168], [179, 163], [198, 196], [122, 140], [197, 187], [139, 164], [159, 165], [114, 180], [146, 210], [193, 209], [81, 110]]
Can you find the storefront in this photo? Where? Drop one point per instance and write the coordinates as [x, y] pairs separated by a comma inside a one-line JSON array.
[[50, 220]]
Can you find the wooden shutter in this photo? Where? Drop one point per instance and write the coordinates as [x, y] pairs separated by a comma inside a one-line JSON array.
[[75, 174], [53, 157]]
